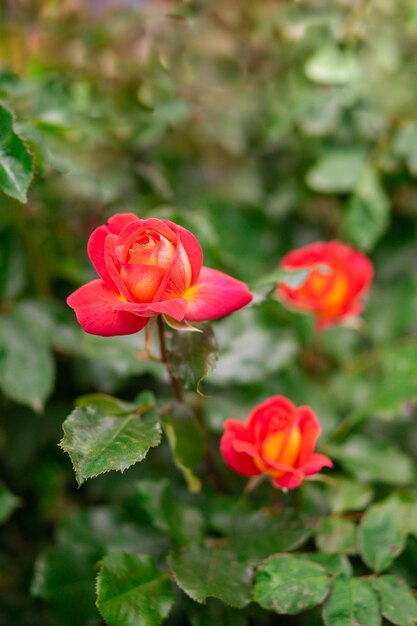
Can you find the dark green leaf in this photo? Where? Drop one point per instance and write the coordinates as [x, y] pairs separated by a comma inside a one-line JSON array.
[[98, 441], [186, 440], [211, 571], [380, 538], [16, 168], [257, 536], [192, 356], [65, 578], [8, 503], [352, 602], [287, 584], [398, 604], [133, 591], [27, 369], [182, 521]]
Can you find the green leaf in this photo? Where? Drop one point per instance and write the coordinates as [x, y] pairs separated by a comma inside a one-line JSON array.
[[8, 503], [215, 613], [337, 172], [380, 539], [192, 356], [290, 585], [368, 460], [332, 66], [352, 602], [265, 285], [16, 168], [65, 578], [333, 563], [169, 512], [367, 213], [212, 571], [98, 440], [186, 440], [398, 604], [345, 494], [133, 591], [27, 369], [257, 536], [336, 536]]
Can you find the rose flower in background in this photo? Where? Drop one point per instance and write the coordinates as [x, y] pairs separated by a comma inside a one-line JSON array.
[[150, 267], [278, 439], [333, 292]]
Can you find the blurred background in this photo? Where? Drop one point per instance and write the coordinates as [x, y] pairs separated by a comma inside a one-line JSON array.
[[260, 126]]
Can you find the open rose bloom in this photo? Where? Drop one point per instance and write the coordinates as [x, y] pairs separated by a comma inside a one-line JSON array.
[[333, 292], [150, 267], [278, 439]]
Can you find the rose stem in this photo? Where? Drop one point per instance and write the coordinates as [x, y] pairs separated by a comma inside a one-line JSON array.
[[175, 383]]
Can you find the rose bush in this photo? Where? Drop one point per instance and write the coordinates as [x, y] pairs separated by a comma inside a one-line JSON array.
[[278, 439], [148, 267], [333, 293]]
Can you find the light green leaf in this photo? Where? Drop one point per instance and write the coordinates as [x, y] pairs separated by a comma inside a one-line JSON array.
[[287, 584], [369, 461], [398, 604], [380, 539], [16, 168], [345, 494], [336, 536], [211, 571], [367, 214], [337, 171], [98, 441], [333, 563], [133, 591], [192, 356], [352, 602], [8, 503], [332, 66], [27, 369]]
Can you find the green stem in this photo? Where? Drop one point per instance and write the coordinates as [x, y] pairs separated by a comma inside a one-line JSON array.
[[175, 383]]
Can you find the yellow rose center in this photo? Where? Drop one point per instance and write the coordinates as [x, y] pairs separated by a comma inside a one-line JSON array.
[[280, 447]]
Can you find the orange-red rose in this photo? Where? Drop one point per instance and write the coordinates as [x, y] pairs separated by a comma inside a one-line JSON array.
[[332, 292], [278, 439], [146, 268]]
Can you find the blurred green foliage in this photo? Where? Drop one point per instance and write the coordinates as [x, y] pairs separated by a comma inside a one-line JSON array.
[[260, 126]]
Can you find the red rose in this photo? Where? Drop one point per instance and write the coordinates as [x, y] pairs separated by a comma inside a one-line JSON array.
[[331, 294], [278, 439], [148, 267]]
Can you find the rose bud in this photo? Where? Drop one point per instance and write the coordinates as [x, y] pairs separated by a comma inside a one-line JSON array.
[[339, 277], [146, 268], [278, 439]]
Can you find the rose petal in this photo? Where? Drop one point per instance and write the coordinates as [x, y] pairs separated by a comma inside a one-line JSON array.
[[192, 248], [96, 242], [142, 281], [291, 480], [214, 295], [310, 431], [315, 463], [173, 308], [178, 278], [93, 304], [240, 462]]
